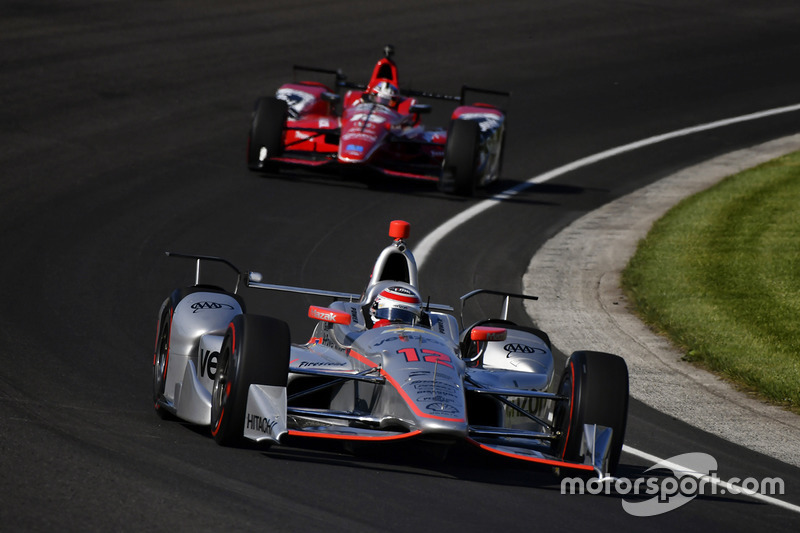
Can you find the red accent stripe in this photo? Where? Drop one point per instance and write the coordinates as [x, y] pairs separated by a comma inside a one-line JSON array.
[[400, 297], [219, 422], [304, 162], [541, 460], [360, 358], [423, 177], [227, 385]]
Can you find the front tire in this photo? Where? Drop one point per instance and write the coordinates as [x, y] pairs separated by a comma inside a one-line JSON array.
[[255, 350], [597, 384], [266, 134], [460, 168]]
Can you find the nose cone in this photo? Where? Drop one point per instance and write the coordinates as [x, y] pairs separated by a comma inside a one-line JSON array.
[[364, 128], [352, 151]]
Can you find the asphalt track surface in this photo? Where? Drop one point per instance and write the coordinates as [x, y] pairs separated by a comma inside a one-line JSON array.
[[123, 131]]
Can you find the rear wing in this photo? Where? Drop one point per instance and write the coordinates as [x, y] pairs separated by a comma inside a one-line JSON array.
[[210, 258], [506, 300], [254, 280], [498, 99]]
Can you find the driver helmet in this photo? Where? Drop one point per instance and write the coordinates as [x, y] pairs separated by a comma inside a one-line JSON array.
[[396, 304], [384, 93]]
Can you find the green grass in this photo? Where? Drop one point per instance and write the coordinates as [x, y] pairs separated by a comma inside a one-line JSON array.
[[720, 275]]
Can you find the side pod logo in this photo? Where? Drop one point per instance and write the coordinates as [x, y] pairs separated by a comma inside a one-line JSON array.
[[201, 306]]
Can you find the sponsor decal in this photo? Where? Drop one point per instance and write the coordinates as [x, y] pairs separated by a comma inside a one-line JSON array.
[[401, 290], [359, 136], [325, 341], [442, 408], [312, 364], [485, 121], [521, 348], [439, 396], [208, 363], [439, 389], [328, 317], [203, 306], [368, 117], [406, 337], [354, 148], [257, 423], [297, 100]]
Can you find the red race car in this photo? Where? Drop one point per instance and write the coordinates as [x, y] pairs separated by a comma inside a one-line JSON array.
[[376, 129]]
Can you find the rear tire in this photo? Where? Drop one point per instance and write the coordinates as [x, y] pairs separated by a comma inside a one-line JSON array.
[[255, 350], [266, 132], [459, 172], [161, 358], [597, 384]]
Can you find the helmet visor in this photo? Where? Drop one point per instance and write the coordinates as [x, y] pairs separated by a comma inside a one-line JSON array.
[[396, 314]]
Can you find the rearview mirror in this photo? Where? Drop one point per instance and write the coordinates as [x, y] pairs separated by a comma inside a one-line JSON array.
[[331, 97], [485, 333], [326, 314], [420, 109]]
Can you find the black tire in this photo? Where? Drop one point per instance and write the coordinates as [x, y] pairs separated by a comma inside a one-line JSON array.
[[266, 131], [597, 384], [161, 357], [459, 172], [255, 351]]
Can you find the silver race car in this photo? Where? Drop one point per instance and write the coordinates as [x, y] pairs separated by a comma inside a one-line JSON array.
[[384, 366]]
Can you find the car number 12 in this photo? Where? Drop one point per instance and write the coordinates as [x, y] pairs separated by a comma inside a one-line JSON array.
[[429, 356]]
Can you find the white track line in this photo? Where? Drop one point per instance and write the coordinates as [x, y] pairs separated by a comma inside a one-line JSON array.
[[423, 249], [731, 488], [426, 245]]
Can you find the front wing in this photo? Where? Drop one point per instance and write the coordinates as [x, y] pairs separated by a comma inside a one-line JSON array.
[[311, 148], [269, 419]]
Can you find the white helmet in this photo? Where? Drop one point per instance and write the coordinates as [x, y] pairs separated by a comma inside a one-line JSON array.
[[384, 93], [397, 304]]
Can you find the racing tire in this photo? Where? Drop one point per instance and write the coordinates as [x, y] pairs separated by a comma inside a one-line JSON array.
[[161, 358], [597, 385], [266, 132], [460, 168], [255, 350]]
